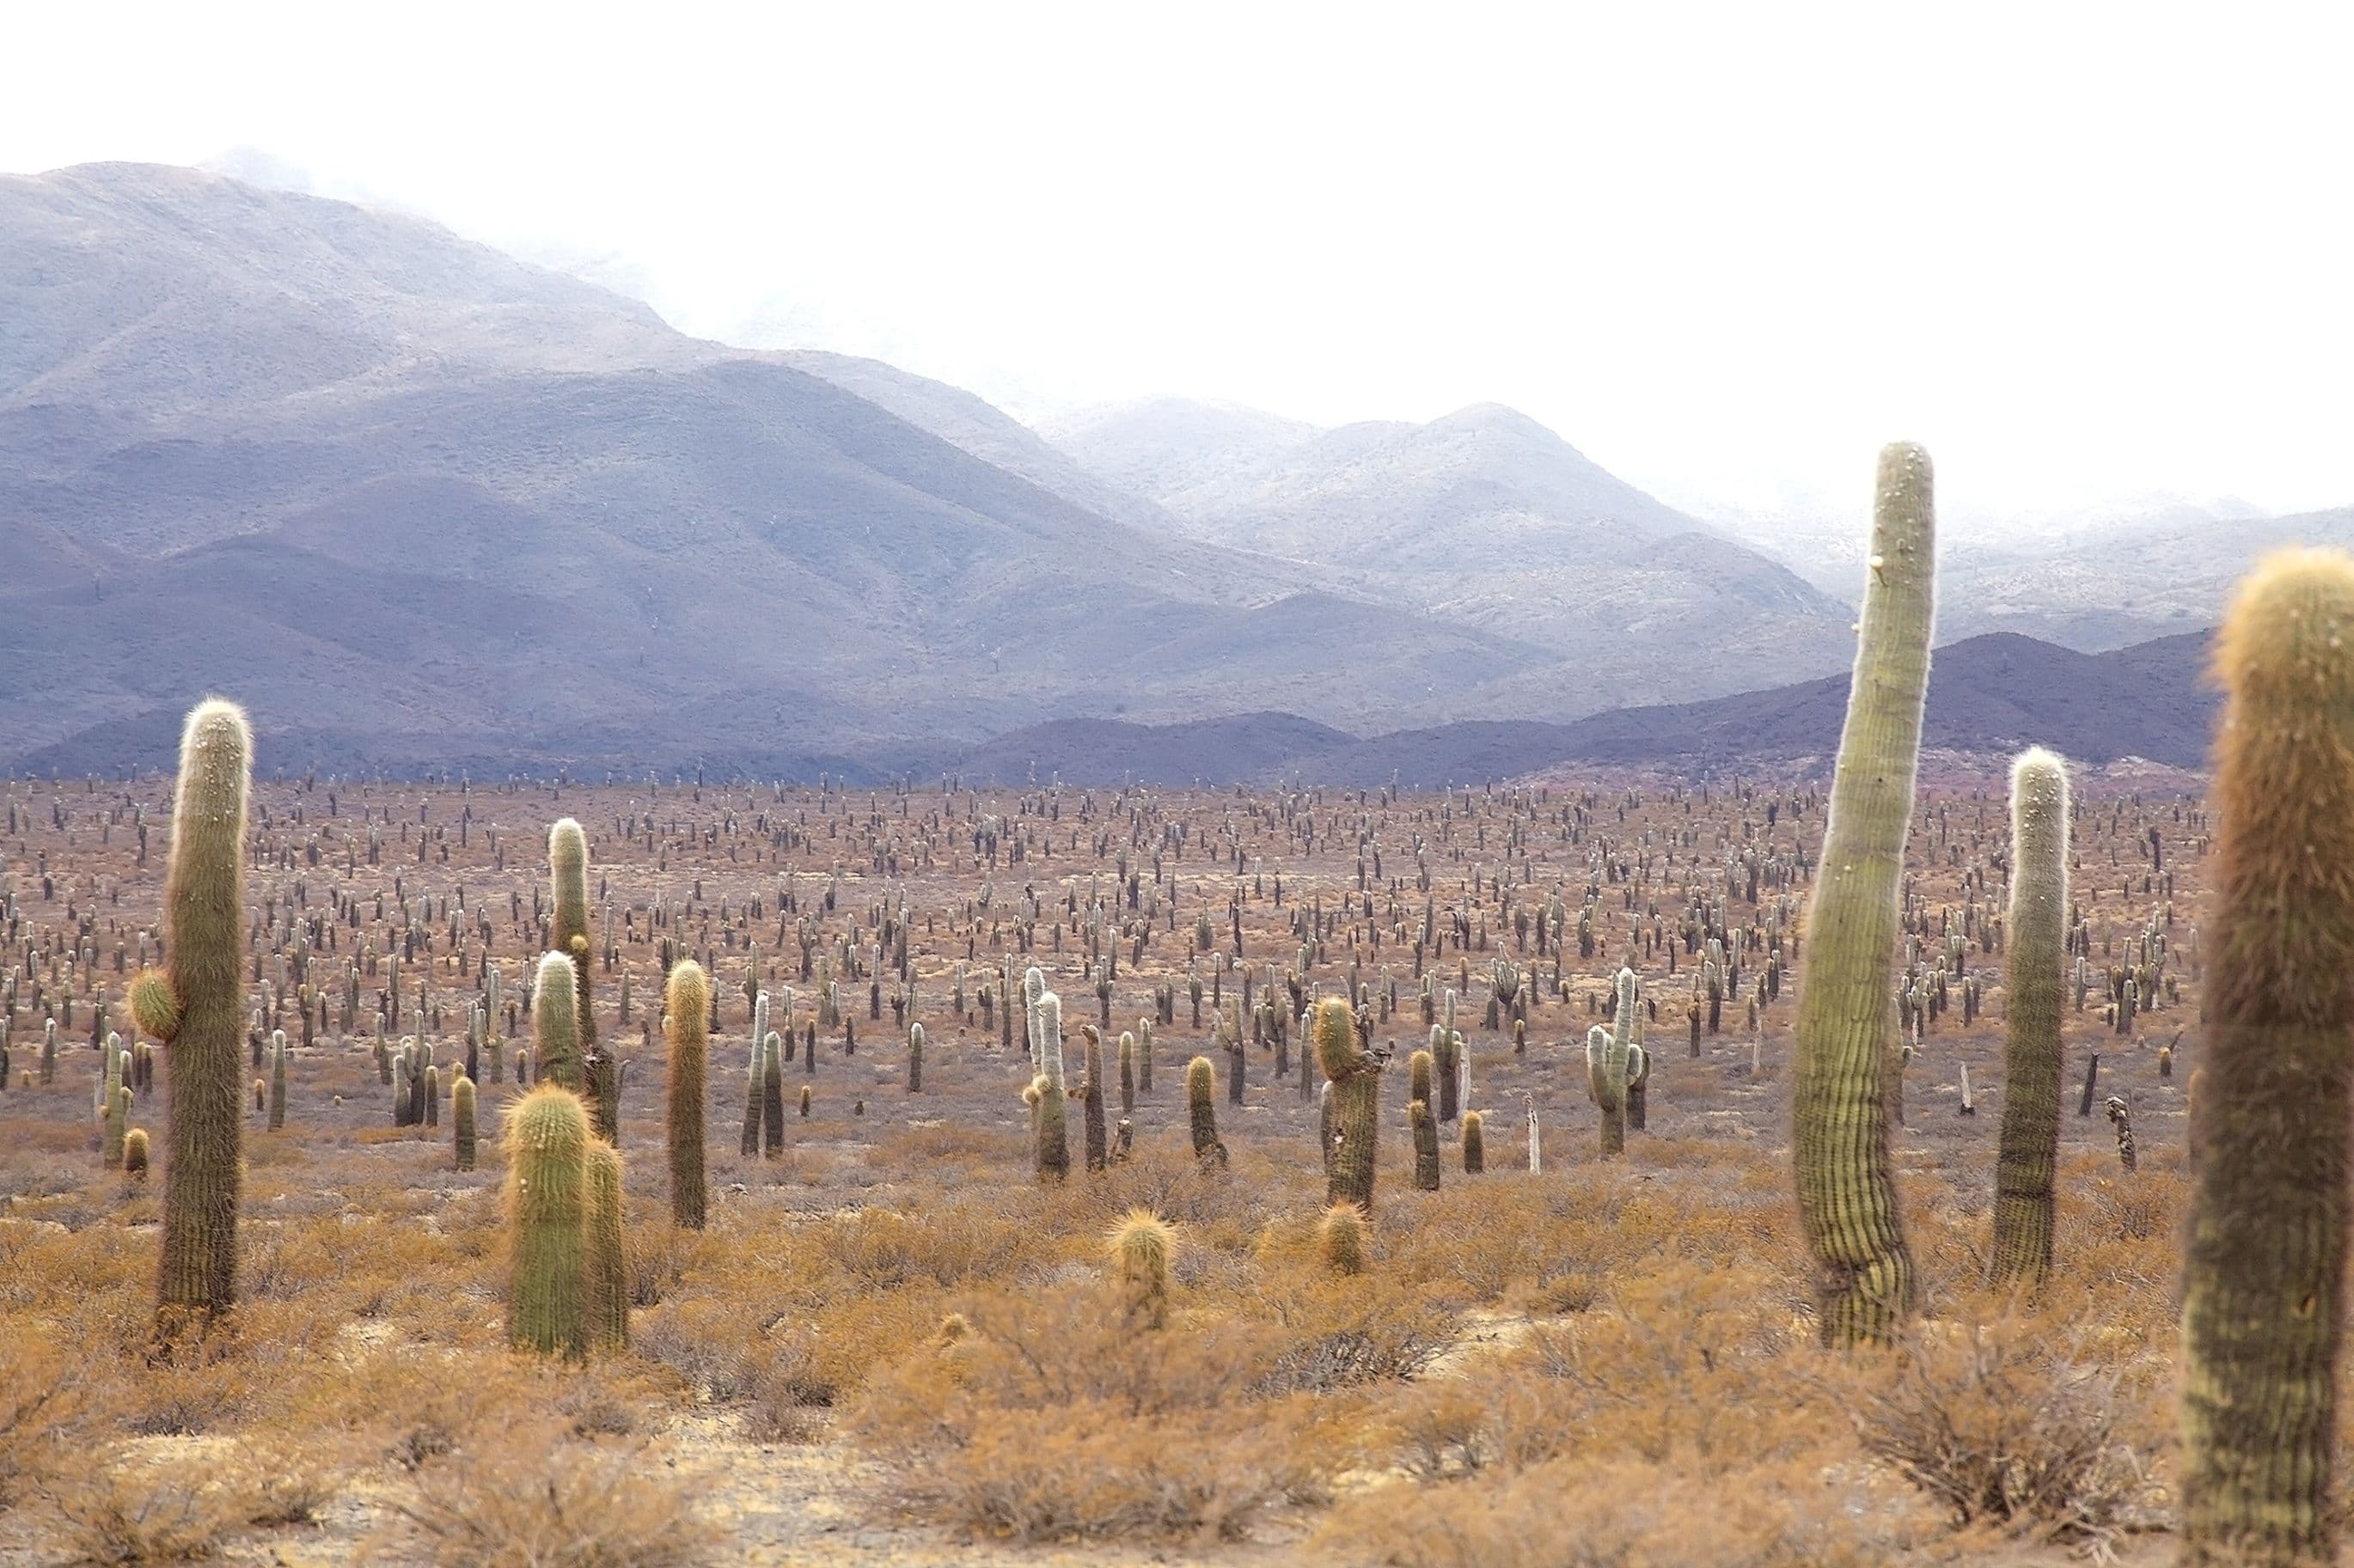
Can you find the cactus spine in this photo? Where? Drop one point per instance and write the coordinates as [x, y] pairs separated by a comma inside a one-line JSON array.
[[2263, 1276], [199, 1018], [687, 1001], [2030, 1148], [547, 1177], [1356, 1104], [1846, 1025]]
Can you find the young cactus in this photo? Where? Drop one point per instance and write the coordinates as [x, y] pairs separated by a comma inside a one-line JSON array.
[[1202, 1110], [1340, 1237], [1846, 1026], [277, 1080], [2264, 1272], [1475, 1144], [134, 1154], [1141, 1246], [687, 1004], [546, 1195], [1426, 1145], [197, 1008], [2034, 938], [915, 1058]]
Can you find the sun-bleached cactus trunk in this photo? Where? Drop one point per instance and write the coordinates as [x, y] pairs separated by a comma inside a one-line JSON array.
[[1846, 1029]]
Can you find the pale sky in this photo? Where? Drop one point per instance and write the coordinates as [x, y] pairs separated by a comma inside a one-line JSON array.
[[2084, 252]]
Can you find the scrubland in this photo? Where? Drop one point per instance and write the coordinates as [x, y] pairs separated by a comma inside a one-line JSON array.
[[892, 1343]]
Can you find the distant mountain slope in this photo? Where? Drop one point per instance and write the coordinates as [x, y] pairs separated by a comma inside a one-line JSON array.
[[1483, 517], [418, 505], [2127, 582], [1988, 694], [964, 420]]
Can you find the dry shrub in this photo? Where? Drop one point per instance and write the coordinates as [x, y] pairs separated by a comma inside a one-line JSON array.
[[43, 1400], [1999, 1424], [725, 1355], [119, 1513], [1578, 1513], [1043, 1422], [531, 1499]]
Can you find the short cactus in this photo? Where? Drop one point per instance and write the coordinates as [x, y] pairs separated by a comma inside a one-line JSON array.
[[1475, 1144], [134, 1154], [462, 1114], [1202, 1109], [546, 1195], [605, 1262], [1340, 1237], [1426, 1145], [1141, 1247], [556, 1023]]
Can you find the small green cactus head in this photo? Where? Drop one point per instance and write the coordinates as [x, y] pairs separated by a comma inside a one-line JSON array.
[[687, 994], [1337, 1051], [135, 1153], [1141, 1244], [155, 1005], [1341, 1238]]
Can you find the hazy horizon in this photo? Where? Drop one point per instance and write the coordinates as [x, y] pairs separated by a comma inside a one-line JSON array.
[[1726, 256]]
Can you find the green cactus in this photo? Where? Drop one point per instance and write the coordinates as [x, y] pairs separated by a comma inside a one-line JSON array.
[[772, 1096], [197, 1010], [277, 1079], [2037, 932], [1355, 1092], [915, 1058], [687, 1011], [2263, 1276], [1091, 1099], [1141, 1246], [1127, 1073], [1053, 1155], [134, 1154], [754, 1076], [1202, 1109], [556, 1023], [546, 1195], [118, 1123], [433, 1087], [1144, 1055], [1475, 1144], [567, 864], [1417, 1075], [1426, 1145], [1610, 1060], [462, 1113], [1846, 1029], [605, 1261]]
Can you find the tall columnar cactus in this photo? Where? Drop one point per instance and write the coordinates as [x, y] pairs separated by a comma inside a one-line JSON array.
[[118, 1124], [1091, 1101], [1846, 1027], [687, 1007], [197, 1010], [556, 1023], [1356, 1104], [2036, 935], [1033, 986], [462, 1113], [2264, 1276], [1141, 1246], [1475, 1144], [547, 1194], [1202, 1109], [277, 1079], [1053, 1156], [568, 865], [772, 1096], [915, 1058], [605, 1261]]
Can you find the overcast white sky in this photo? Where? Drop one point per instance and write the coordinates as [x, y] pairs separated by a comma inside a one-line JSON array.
[[2084, 251]]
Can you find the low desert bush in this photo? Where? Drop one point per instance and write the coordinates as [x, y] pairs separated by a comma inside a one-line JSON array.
[[532, 1498]]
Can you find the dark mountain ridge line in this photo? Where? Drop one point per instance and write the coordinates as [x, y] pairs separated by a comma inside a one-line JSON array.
[[1989, 695]]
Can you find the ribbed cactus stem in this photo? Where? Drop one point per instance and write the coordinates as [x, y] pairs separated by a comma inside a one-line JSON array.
[[2035, 941], [1142, 1245], [1053, 1155], [686, 1005], [606, 1260], [1202, 1109], [568, 865], [2263, 1276], [277, 1079], [204, 899], [548, 1179], [1846, 1026], [556, 1023], [1340, 1237], [461, 1114], [1355, 1104], [1475, 1144]]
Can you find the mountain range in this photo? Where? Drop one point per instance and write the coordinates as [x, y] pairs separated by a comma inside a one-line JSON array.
[[420, 505]]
